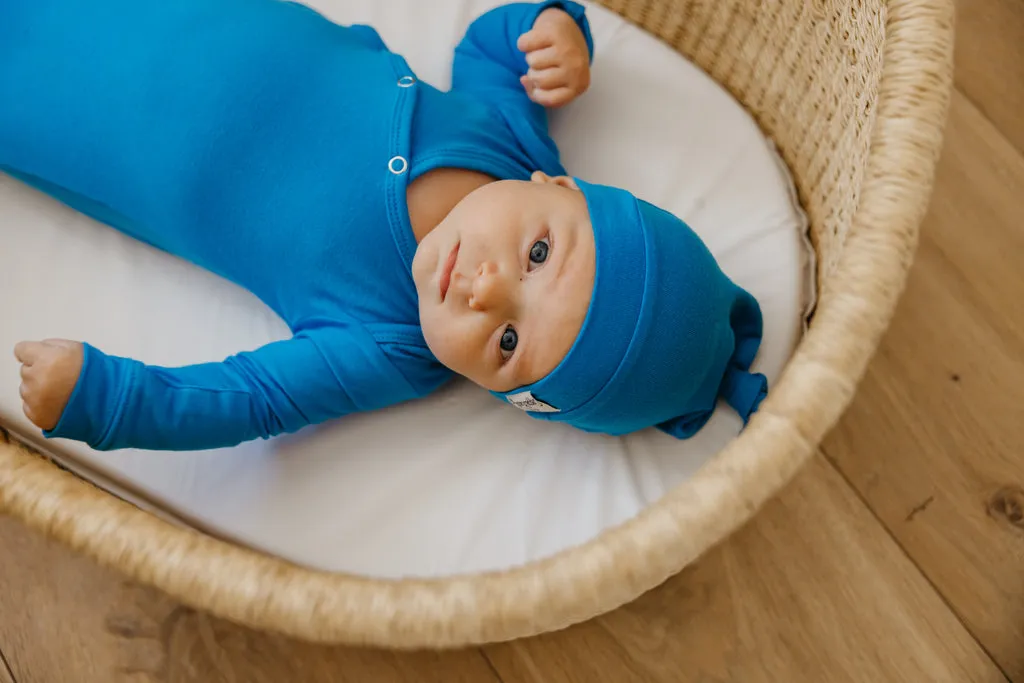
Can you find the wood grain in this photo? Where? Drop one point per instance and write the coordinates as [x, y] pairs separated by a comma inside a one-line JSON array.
[[990, 61], [5, 673], [976, 220], [63, 619], [934, 441], [813, 590]]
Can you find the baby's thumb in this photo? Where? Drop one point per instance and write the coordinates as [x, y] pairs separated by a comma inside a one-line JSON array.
[[27, 352]]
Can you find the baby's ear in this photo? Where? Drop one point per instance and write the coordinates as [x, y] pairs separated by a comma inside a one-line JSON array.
[[562, 180]]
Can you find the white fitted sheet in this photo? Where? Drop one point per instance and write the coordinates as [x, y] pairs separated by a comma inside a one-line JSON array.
[[457, 482]]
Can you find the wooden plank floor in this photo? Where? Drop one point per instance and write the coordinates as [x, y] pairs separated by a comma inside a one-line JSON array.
[[813, 590], [935, 443], [64, 620], [990, 61], [897, 556]]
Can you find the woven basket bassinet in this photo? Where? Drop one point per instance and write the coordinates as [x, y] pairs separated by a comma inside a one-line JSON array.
[[854, 93]]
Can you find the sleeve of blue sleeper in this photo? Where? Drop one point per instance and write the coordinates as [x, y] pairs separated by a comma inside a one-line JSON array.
[[489, 64], [279, 388]]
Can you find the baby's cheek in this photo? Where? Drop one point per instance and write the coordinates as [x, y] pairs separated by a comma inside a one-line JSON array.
[[456, 343], [441, 336], [423, 264], [429, 327]]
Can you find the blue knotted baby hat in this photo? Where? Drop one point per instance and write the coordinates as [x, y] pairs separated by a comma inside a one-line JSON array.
[[666, 336]]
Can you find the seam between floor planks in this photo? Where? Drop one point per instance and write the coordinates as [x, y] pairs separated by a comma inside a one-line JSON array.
[[6, 675], [777, 601], [977, 299], [917, 565]]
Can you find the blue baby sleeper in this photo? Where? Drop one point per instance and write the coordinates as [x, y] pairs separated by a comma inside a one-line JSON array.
[[261, 141]]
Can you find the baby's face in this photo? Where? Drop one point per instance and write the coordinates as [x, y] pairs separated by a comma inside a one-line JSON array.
[[505, 281]]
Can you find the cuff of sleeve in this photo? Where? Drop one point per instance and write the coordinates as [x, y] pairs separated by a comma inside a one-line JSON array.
[[579, 14], [96, 401]]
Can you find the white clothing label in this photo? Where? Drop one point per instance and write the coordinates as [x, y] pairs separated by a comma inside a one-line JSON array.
[[525, 400]]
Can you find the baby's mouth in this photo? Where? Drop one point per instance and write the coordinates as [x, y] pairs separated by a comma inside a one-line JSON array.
[[446, 272]]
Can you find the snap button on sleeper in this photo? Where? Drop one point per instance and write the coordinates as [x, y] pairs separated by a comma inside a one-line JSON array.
[[398, 165], [406, 82]]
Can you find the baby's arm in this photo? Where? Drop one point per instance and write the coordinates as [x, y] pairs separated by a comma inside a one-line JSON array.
[[527, 55], [74, 391]]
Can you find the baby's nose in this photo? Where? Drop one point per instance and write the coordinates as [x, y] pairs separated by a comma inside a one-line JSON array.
[[489, 290]]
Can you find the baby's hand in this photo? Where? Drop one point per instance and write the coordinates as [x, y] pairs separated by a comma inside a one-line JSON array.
[[49, 372], [559, 59]]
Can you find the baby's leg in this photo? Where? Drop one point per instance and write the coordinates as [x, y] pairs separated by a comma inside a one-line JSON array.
[[73, 93], [89, 207]]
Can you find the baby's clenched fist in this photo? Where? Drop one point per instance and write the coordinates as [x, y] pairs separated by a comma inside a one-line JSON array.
[[49, 372], [559, 59]]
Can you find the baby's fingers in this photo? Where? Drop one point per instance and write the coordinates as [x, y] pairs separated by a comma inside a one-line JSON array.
[[553, 98], [548, 79], [535, 39], [543, 59], [30, 381], [27, 394], [29, 413]]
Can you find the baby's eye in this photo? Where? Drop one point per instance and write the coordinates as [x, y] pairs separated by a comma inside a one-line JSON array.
[[539, 252], [509, 341]]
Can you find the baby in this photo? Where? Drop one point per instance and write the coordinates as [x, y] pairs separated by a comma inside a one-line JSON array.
[[404, 234]]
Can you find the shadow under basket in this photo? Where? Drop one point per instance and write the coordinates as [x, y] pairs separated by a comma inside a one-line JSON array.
[[854, 93]]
